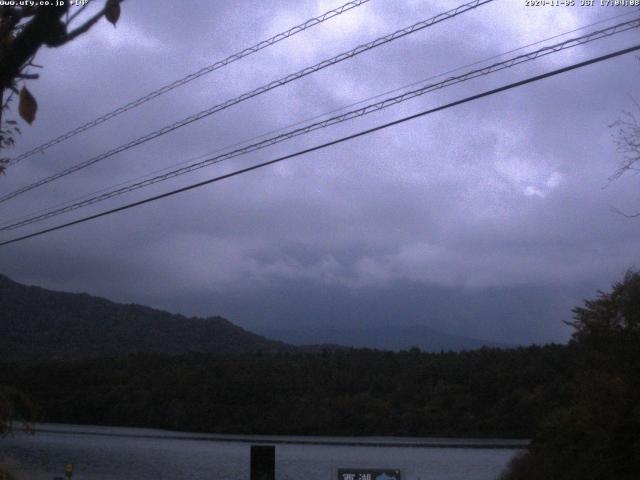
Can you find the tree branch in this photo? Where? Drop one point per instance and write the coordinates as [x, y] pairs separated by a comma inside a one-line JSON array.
[[43, 29], [88, 24], [78, 12], [82, 28]]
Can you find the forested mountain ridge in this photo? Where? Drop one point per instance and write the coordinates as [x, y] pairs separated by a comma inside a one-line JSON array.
[[40, 324]]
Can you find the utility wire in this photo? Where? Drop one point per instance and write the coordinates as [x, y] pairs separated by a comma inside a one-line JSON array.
[[69, 206], [333, 142], [312, 22], [315, 117], [265, 88], [371, 108]]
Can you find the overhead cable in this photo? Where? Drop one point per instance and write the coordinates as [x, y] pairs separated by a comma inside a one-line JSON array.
[[265, 88], [192, 76], [331, 143], [365, 110]]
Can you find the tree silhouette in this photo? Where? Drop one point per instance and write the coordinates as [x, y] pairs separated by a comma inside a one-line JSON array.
[[597, 437], [23, 31]]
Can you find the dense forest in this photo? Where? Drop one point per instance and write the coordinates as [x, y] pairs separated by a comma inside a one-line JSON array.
[[487, 392]]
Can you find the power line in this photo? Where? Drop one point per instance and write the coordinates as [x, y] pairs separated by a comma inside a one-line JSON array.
[[308, 119], [371, 108], [34, 216], [312, 22], [265, 88], [321, 115], [331, 143], [334, 120]]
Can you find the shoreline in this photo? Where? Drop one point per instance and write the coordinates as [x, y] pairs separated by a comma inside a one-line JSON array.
[[502, 444]]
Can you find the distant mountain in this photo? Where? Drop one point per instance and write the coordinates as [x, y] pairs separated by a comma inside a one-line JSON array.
[[401, 337], [39, 324]]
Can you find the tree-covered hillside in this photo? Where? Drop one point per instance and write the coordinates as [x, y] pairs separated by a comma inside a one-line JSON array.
[[39, 324]]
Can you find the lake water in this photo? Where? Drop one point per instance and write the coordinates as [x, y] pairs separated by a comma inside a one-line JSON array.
[[113, 453]]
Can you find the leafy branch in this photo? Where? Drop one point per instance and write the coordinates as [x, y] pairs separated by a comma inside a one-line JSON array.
[[23, 31]]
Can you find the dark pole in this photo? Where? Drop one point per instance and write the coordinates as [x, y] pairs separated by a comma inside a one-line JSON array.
[[263, 462]]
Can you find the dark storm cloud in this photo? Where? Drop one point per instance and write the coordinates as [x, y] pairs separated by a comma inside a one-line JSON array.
[[488, 219]]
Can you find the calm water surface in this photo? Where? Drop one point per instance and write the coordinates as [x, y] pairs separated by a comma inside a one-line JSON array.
[[106, 453]]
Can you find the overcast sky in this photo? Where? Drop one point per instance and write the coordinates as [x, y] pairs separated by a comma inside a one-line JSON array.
[[489, 219]]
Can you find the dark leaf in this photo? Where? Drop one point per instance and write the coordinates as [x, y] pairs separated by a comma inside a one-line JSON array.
[[112, 11], [28, 106]]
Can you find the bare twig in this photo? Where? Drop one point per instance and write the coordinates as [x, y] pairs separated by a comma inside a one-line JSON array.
[[627, 139], [627, 215], [78, 12]]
